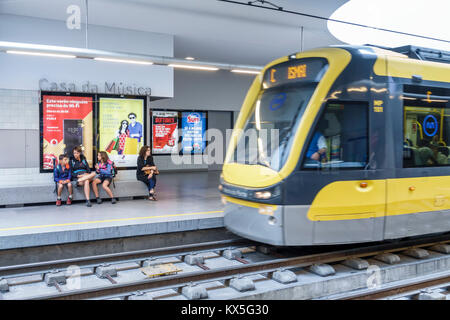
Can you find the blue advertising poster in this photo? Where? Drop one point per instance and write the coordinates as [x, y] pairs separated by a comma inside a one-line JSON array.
[[194, 127]]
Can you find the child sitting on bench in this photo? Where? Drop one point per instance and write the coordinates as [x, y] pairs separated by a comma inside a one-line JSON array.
[[62, 175], [105, 173]]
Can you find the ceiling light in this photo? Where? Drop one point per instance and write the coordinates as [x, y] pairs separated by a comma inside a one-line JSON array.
[[124, 61], [190, 58], [400, 16], [193, 67], [245, 71], [31, 53]]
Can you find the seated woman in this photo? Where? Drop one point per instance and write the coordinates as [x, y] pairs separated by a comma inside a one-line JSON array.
[[147, 171], [105, 172], [81, 173]]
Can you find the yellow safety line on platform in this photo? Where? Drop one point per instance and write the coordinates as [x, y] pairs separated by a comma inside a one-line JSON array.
[[111, 220]]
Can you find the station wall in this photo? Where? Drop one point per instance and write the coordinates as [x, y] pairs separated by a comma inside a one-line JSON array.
[[220, 92]]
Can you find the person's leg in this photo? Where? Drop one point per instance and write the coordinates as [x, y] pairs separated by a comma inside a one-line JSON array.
[[60, 188], [105, 186], [87, 193], [70, 190], [95, 186], [86, 176], [151, 187], [82, 177]]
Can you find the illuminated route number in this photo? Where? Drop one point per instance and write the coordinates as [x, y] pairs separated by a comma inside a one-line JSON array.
[[296, 72]]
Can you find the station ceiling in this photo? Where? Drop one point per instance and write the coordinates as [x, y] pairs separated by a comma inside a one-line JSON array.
[[209, 30]]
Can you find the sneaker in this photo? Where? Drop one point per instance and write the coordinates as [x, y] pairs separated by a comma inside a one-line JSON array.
[[113, 200], [69, 201], [88, 203], [58, 202], [99, 201]]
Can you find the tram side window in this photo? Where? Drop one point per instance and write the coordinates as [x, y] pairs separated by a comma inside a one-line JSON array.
[[426, 133], [340, 137]]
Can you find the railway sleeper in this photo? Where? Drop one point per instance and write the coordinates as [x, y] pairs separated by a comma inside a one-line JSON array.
[[242, 284], [323, 270], [105, 271], [4, 286], [194, 292], [356, 263], [55, 278]]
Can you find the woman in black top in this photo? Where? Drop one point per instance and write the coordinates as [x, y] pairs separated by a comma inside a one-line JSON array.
[[146, 171], [81, 172]]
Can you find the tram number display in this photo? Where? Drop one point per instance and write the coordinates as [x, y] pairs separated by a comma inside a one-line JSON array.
[[300, 70]]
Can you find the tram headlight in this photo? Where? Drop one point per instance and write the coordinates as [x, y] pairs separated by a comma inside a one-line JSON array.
[[264, 195]]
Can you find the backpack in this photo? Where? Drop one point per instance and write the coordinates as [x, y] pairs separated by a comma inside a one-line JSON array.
[[114, 168], [72, 165], [113, 172], [57, 169]]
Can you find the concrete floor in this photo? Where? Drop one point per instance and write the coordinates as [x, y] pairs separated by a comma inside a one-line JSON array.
[[186, 201]]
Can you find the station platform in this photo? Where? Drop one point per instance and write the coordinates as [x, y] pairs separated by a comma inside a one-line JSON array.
[[186, 202]]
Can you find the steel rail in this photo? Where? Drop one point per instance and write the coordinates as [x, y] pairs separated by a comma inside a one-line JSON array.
[[400, 289], [122, 257], [245, 269]]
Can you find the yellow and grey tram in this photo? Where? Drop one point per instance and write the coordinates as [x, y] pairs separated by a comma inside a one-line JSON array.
[[342, 144]]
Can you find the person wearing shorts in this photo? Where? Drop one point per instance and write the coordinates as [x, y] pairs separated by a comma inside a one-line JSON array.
[[105, 170], [81, 172]]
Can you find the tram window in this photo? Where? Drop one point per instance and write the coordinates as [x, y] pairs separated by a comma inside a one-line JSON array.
[[340, 138], [426, 133]]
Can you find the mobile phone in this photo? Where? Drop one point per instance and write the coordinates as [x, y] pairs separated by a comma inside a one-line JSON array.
[[72, 134]]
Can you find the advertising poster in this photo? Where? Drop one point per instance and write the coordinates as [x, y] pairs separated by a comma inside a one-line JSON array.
[[194, 127], [67, 123], [165, 132], [121, 129]]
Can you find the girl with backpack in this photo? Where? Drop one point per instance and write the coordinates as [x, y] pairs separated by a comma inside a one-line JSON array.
[[105, 169], [81, 172]]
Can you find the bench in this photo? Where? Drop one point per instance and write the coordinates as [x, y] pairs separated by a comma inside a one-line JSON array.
[[19, 192]]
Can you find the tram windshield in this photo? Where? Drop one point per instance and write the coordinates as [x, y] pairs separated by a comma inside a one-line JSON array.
[[270, 128], [268, 133]]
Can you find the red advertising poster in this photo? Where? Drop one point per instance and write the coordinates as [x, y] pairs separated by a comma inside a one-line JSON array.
[[67, 122], [165, 132]]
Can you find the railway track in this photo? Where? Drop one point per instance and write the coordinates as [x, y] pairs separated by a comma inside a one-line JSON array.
[[198, 272], [409, 290]]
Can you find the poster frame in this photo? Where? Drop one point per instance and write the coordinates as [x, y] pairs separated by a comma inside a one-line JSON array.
[[41, 122], [180, 112], [97, 121]]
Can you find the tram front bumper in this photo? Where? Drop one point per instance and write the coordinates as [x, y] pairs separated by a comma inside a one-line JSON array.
[[262, 223]]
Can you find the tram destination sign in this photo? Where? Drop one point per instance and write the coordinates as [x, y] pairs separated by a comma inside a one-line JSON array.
[[295, 71]]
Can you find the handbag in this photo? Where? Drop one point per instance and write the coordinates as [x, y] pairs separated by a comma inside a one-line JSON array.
[[116, 145], [155, 172], [110, 146]]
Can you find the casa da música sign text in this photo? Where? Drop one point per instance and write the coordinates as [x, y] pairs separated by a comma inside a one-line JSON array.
[[89, 87]]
